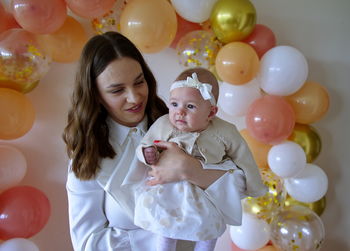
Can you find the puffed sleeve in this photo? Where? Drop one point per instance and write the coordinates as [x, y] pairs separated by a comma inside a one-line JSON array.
[[88, 223]]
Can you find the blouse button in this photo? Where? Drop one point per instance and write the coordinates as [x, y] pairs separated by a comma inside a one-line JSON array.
[[231, 170]]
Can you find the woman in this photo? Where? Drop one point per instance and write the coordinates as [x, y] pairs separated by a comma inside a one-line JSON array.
[[114, 103]]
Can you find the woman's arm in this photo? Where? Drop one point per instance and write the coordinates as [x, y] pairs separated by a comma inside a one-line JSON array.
[[175, 165]]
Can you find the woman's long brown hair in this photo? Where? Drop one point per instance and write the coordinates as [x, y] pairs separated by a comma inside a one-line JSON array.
[[87, 134]]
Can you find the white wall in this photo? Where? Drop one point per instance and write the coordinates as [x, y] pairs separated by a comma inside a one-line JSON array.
[[320, 29]]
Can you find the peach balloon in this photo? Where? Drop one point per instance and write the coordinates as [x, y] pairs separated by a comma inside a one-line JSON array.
[[258, 149], [237, 63], [38, 16], [270, 119], [151, 25], [64, 45], [268, 248], [16, 114], [13, 166], [310, 103], [90, 8]]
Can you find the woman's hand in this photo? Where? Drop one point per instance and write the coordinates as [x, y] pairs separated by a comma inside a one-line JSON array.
[[176, 165]]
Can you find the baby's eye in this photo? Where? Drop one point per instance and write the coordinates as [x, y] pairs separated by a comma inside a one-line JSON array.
[[173, 104], [190, 106]]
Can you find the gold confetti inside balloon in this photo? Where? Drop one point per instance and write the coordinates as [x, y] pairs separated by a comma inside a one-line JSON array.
[[265, 207], [308, 138], [233, 20], [198, 49], [317, 206], [297, 228]]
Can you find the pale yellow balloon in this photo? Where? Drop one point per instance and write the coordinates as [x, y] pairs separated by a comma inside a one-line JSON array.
[[233, 20], [310, 103], [151, 25]]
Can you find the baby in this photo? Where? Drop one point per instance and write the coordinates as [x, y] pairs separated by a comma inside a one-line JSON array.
[[182, 210]]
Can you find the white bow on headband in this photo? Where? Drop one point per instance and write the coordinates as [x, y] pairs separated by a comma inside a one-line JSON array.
[[204, 88]]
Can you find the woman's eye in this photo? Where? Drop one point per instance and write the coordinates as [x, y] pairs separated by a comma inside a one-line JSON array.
[[140, 82], [117, 91]]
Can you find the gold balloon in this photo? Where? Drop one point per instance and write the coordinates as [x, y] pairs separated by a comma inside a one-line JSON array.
[[233, 20], [265, 207], [317, 206], [307, 137]]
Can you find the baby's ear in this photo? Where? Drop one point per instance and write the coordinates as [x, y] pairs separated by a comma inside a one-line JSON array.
[[213, 111]]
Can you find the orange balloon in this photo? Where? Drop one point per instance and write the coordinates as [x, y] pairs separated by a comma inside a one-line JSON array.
[[151, 25], [23, 87], [7, 21], [16, 114], [310, 103], [90, 8], [38, 16], [258, 148], [237, 63], [183, 27], [64, 45]]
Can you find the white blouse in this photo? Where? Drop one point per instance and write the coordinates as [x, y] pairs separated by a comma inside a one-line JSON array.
[[101, 210]]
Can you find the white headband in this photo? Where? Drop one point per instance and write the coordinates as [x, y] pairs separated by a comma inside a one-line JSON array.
[[204, 88]]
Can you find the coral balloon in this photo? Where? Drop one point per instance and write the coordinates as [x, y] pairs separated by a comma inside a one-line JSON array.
[[258, 149], [198, 48], [235, 99], [16, 114], [270, 119], [297, 228], [196, 11], [13, 166], [309, 139], [21, 58], [7, 21], [183, 27], [90, 8], [309, 185], [39, 16], [283, 71], [151, 24], [310, 103], [317, 206], [18, 244], [261, 39], [25, 210], [237, 63], [233, 20], [64, 45]]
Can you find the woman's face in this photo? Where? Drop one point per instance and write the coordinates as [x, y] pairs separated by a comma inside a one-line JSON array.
[[123, 91]]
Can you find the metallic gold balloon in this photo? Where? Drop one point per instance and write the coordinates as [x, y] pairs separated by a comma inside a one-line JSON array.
[[233, 20], [317, 206], [265, 207], [307, 137]]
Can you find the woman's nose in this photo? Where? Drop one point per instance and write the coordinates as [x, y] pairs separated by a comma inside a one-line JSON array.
[[132, 96]]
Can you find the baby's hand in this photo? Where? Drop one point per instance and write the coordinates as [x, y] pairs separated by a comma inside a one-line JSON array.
[[151, 154]]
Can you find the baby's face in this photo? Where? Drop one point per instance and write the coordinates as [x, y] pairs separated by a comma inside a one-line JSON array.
[[188, 111]]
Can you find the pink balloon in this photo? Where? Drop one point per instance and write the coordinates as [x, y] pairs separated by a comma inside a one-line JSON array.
[[24, 211], [270, 119], [90, 8], [38, 16], [13, 166], [261, 39]]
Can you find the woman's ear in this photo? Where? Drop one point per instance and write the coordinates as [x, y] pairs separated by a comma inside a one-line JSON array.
[[213, 111]]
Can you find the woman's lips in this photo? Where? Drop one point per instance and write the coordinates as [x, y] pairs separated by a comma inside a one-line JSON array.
[[136, 108]]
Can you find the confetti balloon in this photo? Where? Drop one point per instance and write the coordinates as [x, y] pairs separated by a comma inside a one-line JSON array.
[[297, 228], [21, 58], [198, 48]]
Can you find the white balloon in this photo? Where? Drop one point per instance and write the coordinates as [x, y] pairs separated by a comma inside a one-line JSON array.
[[253, 234], [196, 11], [286, 159], [283, 70], [18, 244], [236, 99], [309, 185]]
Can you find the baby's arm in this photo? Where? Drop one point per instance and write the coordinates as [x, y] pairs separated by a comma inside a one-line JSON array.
[[151, 154]]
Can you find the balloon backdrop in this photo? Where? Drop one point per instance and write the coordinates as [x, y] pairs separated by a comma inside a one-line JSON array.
[[283, 70], [237, 63], [233, 20], [90, 8], [270, 119], [196, 11], [183, 27], [39, 16], [317, 206], [25, 210], [150, 24], [309, 139], [310, 103], [13, 166], [297, 228], [18, 244], [16, 114]]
